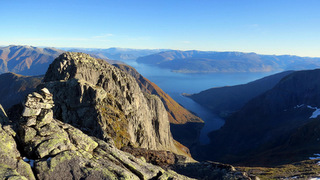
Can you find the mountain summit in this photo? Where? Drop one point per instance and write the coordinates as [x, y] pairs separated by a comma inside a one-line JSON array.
[[106, 102]]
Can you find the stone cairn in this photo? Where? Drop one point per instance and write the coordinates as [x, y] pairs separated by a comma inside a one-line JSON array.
[[38, 106]]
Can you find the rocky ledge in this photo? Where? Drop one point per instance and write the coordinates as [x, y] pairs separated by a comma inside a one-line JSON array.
[[56, 150]]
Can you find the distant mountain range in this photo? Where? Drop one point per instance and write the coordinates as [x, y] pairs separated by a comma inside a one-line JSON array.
[[29, 60], [277, 127], [210, 62], [120, 54], [26, 60]]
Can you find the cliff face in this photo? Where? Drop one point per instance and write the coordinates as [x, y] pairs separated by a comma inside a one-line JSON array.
[[176, 113], [104, 101]]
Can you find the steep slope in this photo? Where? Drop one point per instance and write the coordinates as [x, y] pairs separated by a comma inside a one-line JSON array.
[[177, 114], [277, 127], [14, 87], [225, 100], [210, 61], [104, 101], [26, 60], [185, 126]]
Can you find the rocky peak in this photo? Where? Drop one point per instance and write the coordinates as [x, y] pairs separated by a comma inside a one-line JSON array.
[[106, 102]]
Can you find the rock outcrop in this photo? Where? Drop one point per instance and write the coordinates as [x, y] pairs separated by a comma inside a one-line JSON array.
[[56, 150], [103, 101]]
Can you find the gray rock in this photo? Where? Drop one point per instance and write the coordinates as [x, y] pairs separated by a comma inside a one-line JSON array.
[[57, 150], [106, 101], [11, 164]]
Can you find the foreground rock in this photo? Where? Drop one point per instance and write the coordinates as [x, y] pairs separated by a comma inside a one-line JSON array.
[[11, 164], [57, 150]]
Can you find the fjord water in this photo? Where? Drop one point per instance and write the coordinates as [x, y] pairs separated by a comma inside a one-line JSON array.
[[175, 84]]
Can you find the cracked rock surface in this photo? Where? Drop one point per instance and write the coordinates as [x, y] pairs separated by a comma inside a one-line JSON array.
[[60, 151]]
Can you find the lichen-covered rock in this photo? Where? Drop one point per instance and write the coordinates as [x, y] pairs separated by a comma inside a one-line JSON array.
[[104, 101], [11, 164], [57, 150]]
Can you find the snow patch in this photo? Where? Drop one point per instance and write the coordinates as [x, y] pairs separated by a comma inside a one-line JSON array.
[[316, 113], [299, 106], [310, 107], [317, 156]]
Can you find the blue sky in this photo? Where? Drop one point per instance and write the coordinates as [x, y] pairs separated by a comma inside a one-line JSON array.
[[261, 26]]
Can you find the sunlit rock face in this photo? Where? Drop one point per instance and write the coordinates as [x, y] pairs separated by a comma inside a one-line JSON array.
[[57, 150], [104, 101]]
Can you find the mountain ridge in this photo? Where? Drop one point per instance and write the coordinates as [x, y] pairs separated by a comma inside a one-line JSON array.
[[211, 61]]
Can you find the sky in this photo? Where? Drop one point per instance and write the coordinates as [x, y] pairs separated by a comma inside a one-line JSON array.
[[261, 26]]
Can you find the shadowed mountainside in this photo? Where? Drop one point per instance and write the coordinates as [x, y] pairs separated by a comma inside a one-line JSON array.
[[14, 87], [228, 99], [277, 127], [210, 61]]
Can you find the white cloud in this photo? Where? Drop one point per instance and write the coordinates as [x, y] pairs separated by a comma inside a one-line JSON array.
[[186, 42], [103, 36]]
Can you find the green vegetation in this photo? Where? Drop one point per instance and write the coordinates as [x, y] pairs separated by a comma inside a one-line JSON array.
[[114, 120]]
